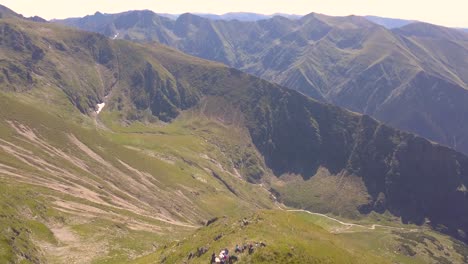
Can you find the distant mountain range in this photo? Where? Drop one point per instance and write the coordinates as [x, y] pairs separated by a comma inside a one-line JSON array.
[[392, 23], [414, 77], [389, 23], [242, 16]]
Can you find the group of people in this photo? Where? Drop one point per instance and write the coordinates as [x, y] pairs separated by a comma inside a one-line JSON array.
[[225, 258]]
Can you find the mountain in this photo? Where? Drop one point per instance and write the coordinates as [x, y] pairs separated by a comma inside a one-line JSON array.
[[113, 151], [241, 16], [244, 16], [393, 23], [235, 16], [171, 16], [389, 23], [8, 13], [412, 77]]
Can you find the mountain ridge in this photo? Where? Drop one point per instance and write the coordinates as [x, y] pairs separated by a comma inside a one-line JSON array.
[[347, 61]]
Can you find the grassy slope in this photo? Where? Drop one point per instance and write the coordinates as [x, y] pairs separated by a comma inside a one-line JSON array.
[[139, 183], [294, 237], [302, 238], [84, 201]]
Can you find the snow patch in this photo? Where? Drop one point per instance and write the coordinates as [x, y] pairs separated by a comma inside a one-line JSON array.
[[462, 189], [116, 35], [100, 107]]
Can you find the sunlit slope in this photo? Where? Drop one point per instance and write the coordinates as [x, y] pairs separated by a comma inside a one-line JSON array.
[[296, 237], [69, 185]]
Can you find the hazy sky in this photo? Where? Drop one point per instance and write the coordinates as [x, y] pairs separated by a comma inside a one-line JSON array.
[[452, 13]]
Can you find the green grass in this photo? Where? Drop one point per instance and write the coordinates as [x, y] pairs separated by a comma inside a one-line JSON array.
[[303, 238], [123, 243], [139, 145], [340, 195], [20, 204], [290, 238], [178, 156]]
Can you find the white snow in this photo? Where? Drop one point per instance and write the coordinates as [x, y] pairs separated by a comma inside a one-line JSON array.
[[100, 107], [116, 35]]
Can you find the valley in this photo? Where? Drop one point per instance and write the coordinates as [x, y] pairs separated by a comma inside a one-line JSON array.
[[113, 151]]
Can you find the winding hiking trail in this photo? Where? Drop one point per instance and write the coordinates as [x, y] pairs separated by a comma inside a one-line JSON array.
[[372, 227]]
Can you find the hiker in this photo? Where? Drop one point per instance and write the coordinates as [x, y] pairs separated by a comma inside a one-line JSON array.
[[201, 251], [222, 256], [226, 255], [213, 258], [251, 249], [237, 249], [233, 259]]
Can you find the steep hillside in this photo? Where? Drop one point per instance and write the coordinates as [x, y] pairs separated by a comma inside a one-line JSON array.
[[180, 140], [74, 193], [98, 190], [412, 78], [298, 237]]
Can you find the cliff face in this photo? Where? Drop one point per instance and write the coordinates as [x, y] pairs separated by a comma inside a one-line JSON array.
[[410, 176]]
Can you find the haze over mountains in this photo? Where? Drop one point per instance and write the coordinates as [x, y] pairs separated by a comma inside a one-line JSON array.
[[389, 23], [411, 77], [182, 140], [244, 16]]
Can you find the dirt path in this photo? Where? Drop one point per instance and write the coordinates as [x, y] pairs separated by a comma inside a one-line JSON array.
[[372, 227]]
